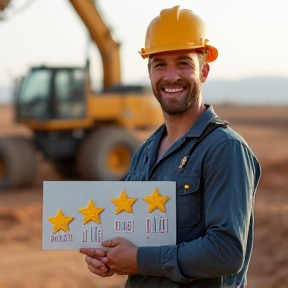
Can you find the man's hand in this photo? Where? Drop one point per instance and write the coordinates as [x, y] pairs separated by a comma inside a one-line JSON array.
[[94, 259], [121, 256]]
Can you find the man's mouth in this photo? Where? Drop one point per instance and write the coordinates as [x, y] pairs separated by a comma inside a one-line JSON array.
[[173, 89]]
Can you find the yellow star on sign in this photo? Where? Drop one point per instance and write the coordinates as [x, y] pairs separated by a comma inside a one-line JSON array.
[[60, 222], [156, 200], [91, 213], [123, 203]]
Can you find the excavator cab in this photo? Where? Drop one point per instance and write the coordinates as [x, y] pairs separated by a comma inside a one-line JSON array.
[[48, 93]]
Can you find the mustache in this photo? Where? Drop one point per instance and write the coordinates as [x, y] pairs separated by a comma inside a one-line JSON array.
[[178, 82]]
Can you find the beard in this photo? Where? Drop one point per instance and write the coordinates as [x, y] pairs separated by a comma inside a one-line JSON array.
[[175, 107]]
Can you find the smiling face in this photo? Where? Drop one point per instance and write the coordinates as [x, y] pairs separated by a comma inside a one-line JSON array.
[[176, 80]]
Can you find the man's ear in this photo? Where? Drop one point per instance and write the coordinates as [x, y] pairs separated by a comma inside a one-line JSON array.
[[204, 72], [148, 68]]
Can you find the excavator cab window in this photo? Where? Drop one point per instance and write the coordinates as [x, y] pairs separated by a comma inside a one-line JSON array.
[[51, 94], [33, 95], [69, 93]]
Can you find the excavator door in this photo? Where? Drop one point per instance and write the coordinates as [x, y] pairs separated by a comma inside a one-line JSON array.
[[51, 94]]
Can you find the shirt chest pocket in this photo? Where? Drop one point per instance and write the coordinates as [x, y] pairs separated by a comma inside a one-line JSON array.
[[189, 199]]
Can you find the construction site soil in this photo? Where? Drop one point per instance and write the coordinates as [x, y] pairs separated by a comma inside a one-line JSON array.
[[24, 264]]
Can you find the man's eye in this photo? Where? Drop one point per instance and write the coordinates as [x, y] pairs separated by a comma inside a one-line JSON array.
[[183, 63], [159, 65]]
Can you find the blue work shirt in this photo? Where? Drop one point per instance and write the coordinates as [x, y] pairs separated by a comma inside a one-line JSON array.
[[215, 200]]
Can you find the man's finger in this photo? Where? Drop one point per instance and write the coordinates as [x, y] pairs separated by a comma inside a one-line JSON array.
[[97, 264], [99, 270], [92, 252], [111, 242], [97, 267], [104, 260], [87, 251]]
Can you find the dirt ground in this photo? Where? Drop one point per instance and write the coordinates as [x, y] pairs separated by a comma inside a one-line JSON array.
[[24, 264]]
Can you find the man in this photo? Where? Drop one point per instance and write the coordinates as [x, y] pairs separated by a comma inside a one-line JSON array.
[[216, 179]]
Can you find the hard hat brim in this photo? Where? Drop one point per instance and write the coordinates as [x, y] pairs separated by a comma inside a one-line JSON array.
[[211, 56]]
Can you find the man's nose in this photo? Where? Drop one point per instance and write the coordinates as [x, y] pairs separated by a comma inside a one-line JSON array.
[[171, 74]]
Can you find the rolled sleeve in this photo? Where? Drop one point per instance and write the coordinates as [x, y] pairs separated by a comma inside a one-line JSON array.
[[160, 262]]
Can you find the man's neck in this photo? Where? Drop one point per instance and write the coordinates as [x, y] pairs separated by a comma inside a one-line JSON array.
[[178, 125]]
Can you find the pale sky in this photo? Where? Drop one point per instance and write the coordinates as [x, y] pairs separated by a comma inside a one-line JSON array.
[[250, 35]]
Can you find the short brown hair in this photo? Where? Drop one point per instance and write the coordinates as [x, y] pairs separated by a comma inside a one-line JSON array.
[[202, 57]]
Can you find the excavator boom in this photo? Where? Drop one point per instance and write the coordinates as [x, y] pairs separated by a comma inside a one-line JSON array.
[[101, 35]]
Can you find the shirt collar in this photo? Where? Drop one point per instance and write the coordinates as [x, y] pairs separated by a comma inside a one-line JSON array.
[[195, 131], [204, 119]]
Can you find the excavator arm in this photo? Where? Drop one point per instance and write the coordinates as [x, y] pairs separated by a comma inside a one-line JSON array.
[[101, 35], [4, 4]]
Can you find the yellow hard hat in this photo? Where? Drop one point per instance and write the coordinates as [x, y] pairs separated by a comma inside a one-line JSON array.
[[177, 29]]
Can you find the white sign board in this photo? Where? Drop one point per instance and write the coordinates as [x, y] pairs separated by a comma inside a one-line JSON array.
[[83, 214]]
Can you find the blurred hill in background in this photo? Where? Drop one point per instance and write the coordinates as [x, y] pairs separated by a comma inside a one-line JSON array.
[[250, 91]]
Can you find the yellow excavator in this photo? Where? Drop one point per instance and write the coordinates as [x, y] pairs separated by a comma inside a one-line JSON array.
[[84, 134]]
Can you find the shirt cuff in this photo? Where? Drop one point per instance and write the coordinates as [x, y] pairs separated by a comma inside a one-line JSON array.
[[149, 261]]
